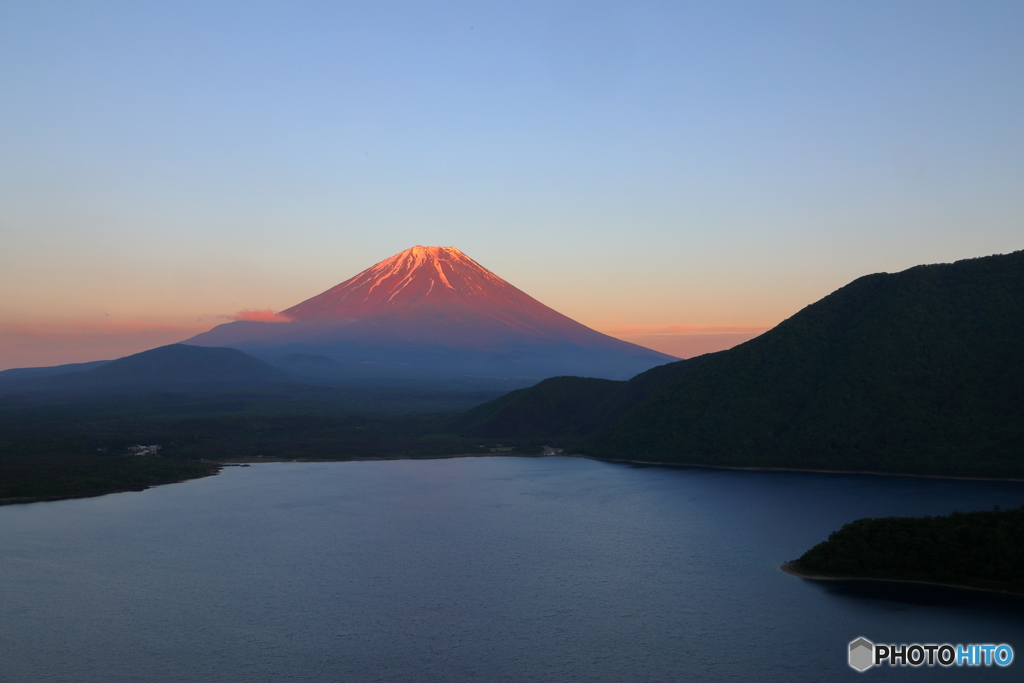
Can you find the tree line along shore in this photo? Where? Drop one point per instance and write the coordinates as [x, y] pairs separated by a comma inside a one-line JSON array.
[[982, 550]]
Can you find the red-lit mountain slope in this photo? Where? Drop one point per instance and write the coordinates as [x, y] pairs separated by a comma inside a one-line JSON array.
[[443, 283], [433, 309]]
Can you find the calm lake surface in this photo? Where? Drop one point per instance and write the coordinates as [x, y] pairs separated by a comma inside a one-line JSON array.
[[474, 569]]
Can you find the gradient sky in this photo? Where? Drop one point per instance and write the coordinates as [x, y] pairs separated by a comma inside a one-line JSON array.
[[651, 169]]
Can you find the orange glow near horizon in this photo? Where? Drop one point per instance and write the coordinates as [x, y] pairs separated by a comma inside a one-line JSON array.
[[682, 341], [42, 343], [688, 345], [675, 330], [56, 343], [78, 341]]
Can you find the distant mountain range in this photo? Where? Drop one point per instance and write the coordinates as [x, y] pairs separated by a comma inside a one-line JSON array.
[[920, 371], [173, 367], [27, 373], [430, 316]]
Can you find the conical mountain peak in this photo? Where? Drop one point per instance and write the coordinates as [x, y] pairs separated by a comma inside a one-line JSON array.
[[434, 314], [423, 278]]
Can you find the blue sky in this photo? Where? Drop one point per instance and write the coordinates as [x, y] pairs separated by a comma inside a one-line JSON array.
[[633, 165]]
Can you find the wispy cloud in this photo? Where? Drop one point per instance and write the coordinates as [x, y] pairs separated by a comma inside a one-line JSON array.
[[260, 316]]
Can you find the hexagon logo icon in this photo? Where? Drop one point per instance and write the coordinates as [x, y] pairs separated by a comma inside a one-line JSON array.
[[862, 654]]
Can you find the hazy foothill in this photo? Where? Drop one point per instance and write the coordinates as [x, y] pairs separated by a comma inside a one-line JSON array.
[[919, 372]]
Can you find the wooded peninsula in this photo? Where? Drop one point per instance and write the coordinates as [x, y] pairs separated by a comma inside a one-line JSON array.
[[969, 549]]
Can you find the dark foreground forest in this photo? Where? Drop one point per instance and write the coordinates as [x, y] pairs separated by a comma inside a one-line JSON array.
[[918, 372], [973, 549], [82, 447]]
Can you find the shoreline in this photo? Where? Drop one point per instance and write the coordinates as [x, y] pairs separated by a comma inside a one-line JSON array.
[[214, 468], [790, 568], [786, 469], [615, 460], [217, 465]]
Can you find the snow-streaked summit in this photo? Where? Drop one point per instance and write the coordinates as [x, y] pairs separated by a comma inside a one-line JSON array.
[[442, 281], [413, 277]]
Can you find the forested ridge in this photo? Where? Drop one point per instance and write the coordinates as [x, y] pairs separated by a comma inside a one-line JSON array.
[[977, 549], [914, 372], [567, 409]]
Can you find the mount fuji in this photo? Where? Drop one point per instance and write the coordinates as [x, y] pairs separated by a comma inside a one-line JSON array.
[[430, 315]]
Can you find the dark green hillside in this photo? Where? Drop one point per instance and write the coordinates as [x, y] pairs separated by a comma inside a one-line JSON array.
[[564, 409], [57, 476], [979, 549], [647, 384], [557, 406], [920, 371]]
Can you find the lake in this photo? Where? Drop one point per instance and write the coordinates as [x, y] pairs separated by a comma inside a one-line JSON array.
[[474, 569]]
